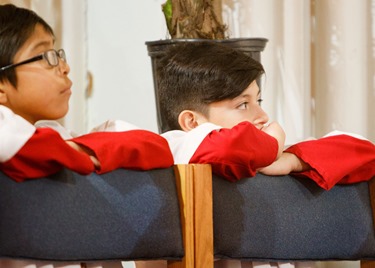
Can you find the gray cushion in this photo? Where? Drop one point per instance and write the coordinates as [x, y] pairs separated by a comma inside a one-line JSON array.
[[123, 215], [284, 218]]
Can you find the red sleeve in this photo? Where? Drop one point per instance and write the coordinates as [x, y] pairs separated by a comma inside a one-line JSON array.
[[45, 153], [134, 149], [238, 152], [336, 159]]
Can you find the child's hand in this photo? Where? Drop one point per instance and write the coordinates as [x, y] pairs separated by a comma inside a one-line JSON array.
[[286, 164], [275, 130], [85, 150]]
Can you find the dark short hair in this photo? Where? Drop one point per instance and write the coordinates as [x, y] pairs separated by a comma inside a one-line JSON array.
[[192, 75], [16, 27]]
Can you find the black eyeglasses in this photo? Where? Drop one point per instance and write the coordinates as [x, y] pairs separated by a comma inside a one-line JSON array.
[[51, 56]]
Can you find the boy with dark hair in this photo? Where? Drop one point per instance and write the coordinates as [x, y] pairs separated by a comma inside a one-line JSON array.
[[211, 100], [34, 85], [210, 97]]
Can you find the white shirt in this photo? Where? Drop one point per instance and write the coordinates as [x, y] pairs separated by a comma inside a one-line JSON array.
[[184, 144], [15, 131]]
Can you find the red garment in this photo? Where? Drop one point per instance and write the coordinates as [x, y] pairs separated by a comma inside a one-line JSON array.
[[45, 153], [340, 159], [133, 149], [238, 152]]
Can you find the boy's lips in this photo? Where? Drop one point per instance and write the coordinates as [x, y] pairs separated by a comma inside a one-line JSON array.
[[67, 89]]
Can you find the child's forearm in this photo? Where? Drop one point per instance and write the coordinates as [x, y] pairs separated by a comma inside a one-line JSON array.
[[285, 164], [238, 152], [87, 151], [135, 149], [336, 159], [44, 154]]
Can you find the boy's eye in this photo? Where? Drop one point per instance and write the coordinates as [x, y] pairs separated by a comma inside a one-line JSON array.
[[243, 106], [260, 101]]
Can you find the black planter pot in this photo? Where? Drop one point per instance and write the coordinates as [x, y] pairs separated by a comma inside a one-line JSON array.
[[251, 46]]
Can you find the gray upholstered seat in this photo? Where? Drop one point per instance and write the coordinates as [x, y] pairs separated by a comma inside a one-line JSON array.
[[123, 215], [284, 218], [132, 215]]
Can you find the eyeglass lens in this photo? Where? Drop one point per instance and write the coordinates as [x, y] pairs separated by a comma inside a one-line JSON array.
[[52, 56]]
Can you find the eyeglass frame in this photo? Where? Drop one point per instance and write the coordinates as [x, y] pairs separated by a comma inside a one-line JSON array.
[[60, 55]]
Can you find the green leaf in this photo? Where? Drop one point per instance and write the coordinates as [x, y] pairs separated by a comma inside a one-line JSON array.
[[167, 10]]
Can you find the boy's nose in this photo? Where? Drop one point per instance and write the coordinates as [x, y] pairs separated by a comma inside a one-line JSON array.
[[261, 118], [64, 67]]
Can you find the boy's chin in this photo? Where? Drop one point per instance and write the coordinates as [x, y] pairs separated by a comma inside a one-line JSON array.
[[58, 115]]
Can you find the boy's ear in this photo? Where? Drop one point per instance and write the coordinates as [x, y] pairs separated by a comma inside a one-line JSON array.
[[189, 120], [3, 96]]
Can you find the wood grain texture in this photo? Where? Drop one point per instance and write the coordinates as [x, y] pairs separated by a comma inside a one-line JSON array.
[[194, 186]]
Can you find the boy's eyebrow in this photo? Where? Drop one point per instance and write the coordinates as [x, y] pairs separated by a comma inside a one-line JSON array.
[[242, 96], [248, 95], [42, 44]]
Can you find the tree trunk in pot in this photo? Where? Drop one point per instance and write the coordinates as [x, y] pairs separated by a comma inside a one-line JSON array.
[[195, 19]]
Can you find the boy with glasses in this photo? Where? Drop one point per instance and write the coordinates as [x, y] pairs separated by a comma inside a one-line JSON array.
[[34, 85]]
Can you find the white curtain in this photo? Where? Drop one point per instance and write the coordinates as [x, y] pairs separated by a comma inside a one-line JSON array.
[[319, 62], [50, 11]]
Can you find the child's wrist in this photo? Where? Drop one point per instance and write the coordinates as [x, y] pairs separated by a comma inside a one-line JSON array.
[[298, 165]]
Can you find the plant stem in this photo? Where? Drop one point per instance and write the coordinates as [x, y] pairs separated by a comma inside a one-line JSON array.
[[196, 19]]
